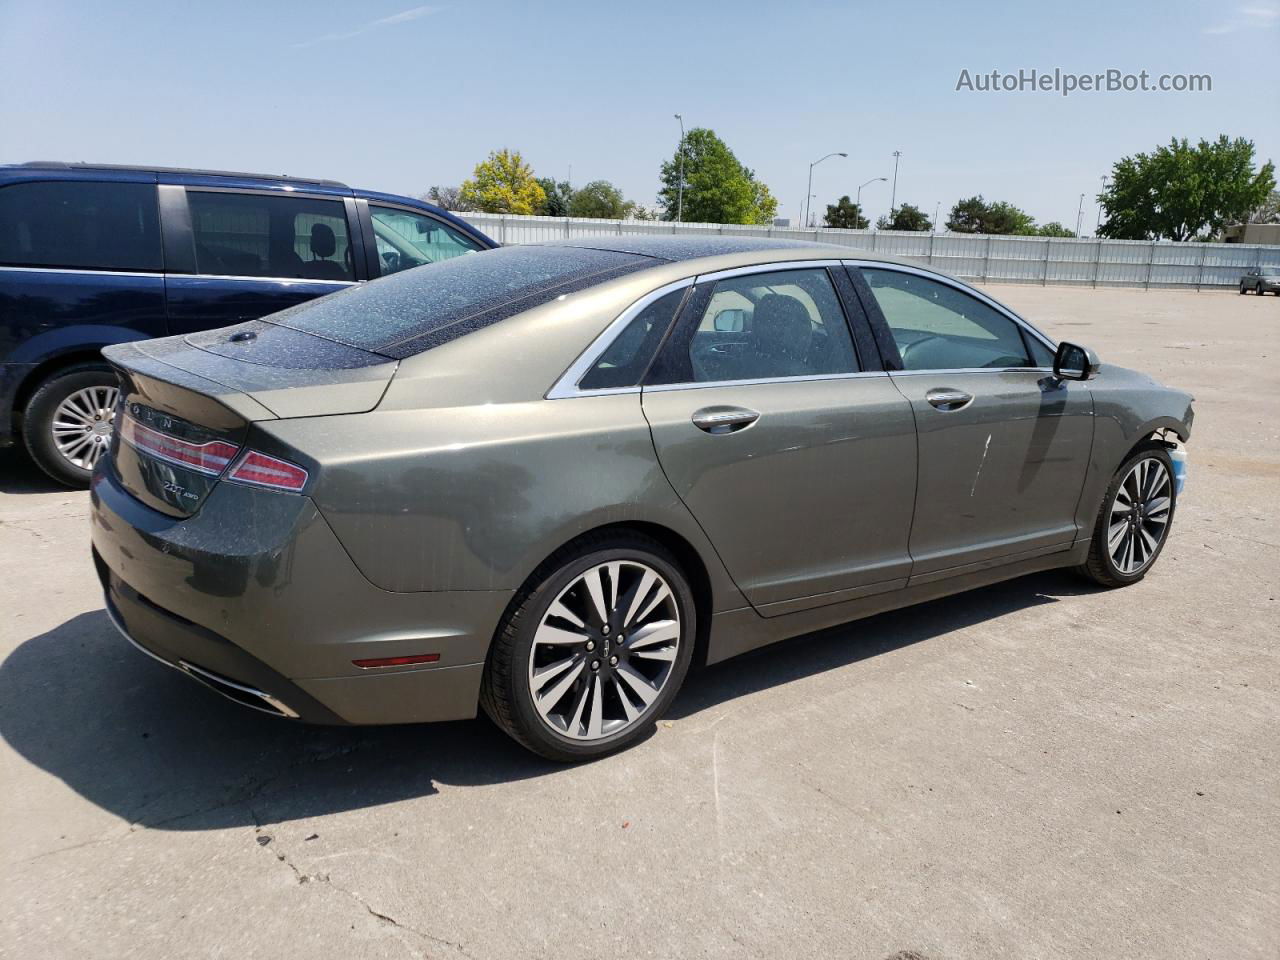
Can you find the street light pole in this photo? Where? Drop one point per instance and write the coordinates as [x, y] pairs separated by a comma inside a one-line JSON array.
[[893, 195], [1098, 222], [809, 191], [860, 186], [936, 207], [680, 188], [1079, 213]]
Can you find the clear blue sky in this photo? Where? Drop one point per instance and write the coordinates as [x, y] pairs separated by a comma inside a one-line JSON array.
[[389, 95]]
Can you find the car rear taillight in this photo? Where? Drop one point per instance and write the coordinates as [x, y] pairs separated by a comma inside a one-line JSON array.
[[208, 458], [261, 470]]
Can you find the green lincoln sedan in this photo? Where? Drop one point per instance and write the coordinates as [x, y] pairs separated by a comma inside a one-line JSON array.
[[545, 480]]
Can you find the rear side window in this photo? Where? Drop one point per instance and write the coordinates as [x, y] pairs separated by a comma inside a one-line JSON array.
[[415, 310], [256, 235], [75, 224], [625, 360]]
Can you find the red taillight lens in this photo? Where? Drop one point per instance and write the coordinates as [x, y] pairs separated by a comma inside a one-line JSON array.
[[263, 471], [208, 458]]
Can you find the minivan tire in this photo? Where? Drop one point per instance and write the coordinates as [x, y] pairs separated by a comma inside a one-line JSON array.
[[37, 419]]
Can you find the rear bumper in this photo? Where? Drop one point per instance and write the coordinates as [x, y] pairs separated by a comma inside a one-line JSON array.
[[255, 597]]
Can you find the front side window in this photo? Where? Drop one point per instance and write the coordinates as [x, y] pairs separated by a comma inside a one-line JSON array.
[[785, 323], [80, 225], [406, 239], [937, 327], [257, 235]]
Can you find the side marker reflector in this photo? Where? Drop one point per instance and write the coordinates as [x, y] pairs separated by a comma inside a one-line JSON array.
[[397, 661]]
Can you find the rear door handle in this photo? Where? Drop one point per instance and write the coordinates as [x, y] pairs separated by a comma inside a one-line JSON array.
[[718, 420], [947, 400]]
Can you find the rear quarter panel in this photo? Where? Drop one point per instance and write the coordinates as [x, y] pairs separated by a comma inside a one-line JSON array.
[[474, 498]]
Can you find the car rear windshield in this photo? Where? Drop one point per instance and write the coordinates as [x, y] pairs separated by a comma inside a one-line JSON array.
[[413, 311]]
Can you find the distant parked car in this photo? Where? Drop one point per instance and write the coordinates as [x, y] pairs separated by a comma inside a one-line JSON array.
[[95, 255], [1261, 280]]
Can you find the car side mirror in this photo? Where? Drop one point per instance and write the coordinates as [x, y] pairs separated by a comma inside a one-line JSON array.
[[1074, 362]]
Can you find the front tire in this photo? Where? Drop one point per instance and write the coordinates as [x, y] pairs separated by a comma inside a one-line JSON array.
[[67, 422], [1134, 521], [593, 648]]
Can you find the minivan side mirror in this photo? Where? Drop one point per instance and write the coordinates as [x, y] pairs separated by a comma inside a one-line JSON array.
[[1074, 362]]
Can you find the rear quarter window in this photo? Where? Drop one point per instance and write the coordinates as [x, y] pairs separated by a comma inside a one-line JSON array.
[[80, 225]]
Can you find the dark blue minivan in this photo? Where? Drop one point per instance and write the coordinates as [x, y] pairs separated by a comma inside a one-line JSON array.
[[92, 255]]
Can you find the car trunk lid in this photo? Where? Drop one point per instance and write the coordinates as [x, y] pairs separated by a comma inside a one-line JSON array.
[[188, 404]]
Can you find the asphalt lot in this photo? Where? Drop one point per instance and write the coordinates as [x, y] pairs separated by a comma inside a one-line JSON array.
[[1037, 769]]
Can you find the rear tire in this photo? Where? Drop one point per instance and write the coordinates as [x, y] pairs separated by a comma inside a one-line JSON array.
[[628, 603], [80, 396], [1108, 564]]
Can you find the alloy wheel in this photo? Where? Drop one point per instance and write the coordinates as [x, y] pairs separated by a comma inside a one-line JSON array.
[[82, 425], [604, 650], [1140, 515]]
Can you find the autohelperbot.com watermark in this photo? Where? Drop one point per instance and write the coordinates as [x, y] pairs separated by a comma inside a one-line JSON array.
[[1065, 83]]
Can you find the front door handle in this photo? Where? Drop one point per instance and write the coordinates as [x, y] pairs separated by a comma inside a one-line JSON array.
[[718, 420], [948, 400]]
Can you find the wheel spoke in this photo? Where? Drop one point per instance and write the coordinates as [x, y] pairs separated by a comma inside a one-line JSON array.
[[1115, 533], [637, 683], [595, 589], [554, 636], [628, 707], [660, 595], [667, 654], [660, 631], [637, 595], [1157, 508], [558, 609], [596, 724], [576, 723], [548, 699]]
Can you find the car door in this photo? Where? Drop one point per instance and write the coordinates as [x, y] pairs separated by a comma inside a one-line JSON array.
[[1003, 444], [234, 255], [795, 455]]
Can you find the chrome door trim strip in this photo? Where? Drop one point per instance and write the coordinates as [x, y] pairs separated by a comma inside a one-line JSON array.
[[567, 385], [775, 266], [950, 371], [808, 378], [95, 273], [963, 288], [176, 276]]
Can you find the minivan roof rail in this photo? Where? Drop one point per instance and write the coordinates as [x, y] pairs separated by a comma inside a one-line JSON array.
[[61, 165]]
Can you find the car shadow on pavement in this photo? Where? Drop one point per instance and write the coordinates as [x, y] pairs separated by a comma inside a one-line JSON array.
[[150, 746], [19, 474]]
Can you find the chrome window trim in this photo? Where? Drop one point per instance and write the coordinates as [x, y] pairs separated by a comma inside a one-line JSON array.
[[963, 288], [807, 378], [175, 276], [776, 266], [567, 385], [85, 270], [955, 371]]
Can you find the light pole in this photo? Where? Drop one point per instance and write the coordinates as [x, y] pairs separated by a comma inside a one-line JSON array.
[[1079, 213], [859, 200], [809, 191], [680, 189], [936, 207], [1098, 222], [893, 195]]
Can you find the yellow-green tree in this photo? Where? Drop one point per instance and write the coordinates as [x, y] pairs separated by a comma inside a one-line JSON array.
[[504, 183]]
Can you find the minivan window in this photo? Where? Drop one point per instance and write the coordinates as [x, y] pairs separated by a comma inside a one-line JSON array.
[[80, 225], [406, 239], [257, 235], [415, 310]]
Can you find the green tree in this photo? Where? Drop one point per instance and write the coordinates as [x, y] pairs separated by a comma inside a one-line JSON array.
[[717, 187], [1268, 211], [845, 214], [503, 183], [557, 196], [599, 199], [905, 217], [638, 211], [975, 215], [968, 215], [1054, 229], [1178, 192]]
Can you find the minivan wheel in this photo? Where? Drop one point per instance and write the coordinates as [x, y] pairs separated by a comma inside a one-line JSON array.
[[67, 422], [593, 649], [1135, 518]]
